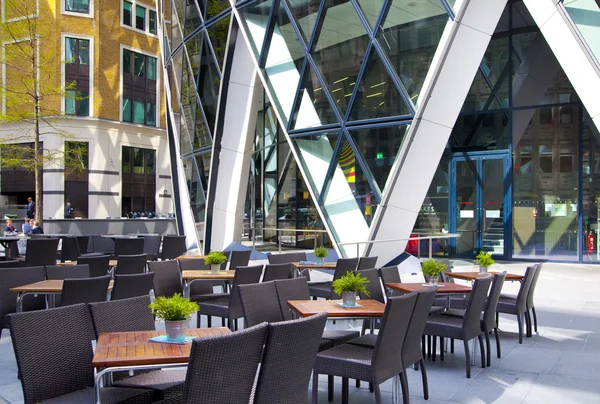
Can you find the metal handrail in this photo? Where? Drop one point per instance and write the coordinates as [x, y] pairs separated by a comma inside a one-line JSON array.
[[282, 230], [418, 238]]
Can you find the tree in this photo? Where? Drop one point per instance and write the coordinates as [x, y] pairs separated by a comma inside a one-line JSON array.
[[32, 91]]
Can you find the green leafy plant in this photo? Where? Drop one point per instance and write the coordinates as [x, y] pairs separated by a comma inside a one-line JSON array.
[[321, 252], [484, 259], [215, 258], [432, 267], [176, 308], [351, 282]]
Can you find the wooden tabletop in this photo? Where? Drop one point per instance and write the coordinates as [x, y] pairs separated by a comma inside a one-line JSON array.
[[111, 263], [471, 276], [307, 308], [327, 265], [207, 274], [134, 348], [47, 286], [190, 257], [443, 287]]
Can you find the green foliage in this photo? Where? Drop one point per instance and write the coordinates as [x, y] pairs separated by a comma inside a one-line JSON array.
[[484, 259], [176, 308], [432, 267], [215, 258], [351, 282], [321, 252]]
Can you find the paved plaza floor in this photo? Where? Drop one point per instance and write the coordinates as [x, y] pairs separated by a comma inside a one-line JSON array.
[[559, 364]]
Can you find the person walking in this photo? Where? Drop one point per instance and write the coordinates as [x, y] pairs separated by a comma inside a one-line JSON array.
[[30, 208], [69, 211]]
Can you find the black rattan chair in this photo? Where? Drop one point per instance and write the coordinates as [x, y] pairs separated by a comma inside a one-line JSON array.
[[88, 290], [70, 249], [103, 245], [9, 264], [389, 275], [54, 351], [41, 251], [172, 247], [530, 305], [284, 377], [70, 271], [286, 258], [131, 264], [371, 365], [325, 290], [228, 305], [167, 278], [366, 263], [239, 259], [152, 246], [127, 286], [83, 243], [277, 271], [99, 264], [518, 306], [129, 246]]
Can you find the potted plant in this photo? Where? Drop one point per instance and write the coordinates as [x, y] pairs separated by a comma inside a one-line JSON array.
[[321, 253], [484, 260], [432, 270], [176, 312], [348, 286], [215, 259]]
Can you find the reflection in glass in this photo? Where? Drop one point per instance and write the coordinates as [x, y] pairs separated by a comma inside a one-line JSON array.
[[340, 49], [377, 96], [379, 149], [218, 37], [214, 7], [410, 35], [586, 16], [312, 107], [208, 85], [591, 189], [371, 9], [197, 201], [480, 132], [255, 19], [305, 14], [192, 18], [316, 153]]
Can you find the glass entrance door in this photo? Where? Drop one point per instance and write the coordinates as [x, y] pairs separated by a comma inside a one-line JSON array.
[[479, 202]]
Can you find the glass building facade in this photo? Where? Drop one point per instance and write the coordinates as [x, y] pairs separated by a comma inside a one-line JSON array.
[[341, 83]]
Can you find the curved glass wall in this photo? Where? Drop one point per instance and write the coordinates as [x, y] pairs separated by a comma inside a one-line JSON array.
[[586, 17]]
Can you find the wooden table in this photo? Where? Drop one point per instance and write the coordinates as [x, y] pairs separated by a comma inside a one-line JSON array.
[[10, 245], [189, 276], [326, 265], [190, 257], [445, 288], [471, 276], [370, 308], [47, 287], [111, 263], [117, 351]]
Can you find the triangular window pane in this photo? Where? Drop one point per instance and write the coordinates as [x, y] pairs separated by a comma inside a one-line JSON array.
[[188, 95], [201, 134], [376, 94], [305, 15], [184, 137], [208, 85], [283, 64], [194, 47], [379, 148], [255, 19], [316, 153], [371, 10], [192, 18], [197, 201], [340, 49], [218, 37], [312, 107], [410, 35], [214, 7]]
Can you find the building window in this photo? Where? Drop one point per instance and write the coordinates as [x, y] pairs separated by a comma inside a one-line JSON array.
[[127, 7], [77, 76], [140, 18], [152, 21], [78, 6], [77, 177], [138, 180], [139, 88]]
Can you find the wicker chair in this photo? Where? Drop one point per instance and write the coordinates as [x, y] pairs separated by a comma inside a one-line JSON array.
[[99, 264], [172, 247], [389, 275], [9, 264], [83, 243], [529, 305], [465, 328], [103, 245], [13, 277], [133, 315], [53, 353], [366, 263], [289, 258], [228, 305], [129, 246], [131, 264], [284, 378], [72, 271], [41, 251], [87, 290], [518, 305], [152, 246], [325, 290], [375, 292], [239, 259], [167, 278], [372, 365], [127, 286], [277, 271]]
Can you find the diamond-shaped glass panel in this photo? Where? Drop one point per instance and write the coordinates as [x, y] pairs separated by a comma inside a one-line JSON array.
[[176, 34], [214, 7], [201, 134], [305, 15], [203, 163], [283, 64], [192, 18], [340, 49], [255, 19], [379, 149], [410, 35], [184, 137], [218, 37], [371, 10], [312, 107], [208, 85], [347, 194], [197, 201], [316, 153], [481, 132], [376, 94], [188, 95], [194, 47]]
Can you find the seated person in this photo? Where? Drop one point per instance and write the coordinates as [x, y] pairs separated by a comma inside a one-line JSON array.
[[36, 229], [9, 227], [27, 226]]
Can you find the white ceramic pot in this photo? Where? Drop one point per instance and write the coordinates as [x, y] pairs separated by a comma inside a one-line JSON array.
[[483, 270], [176, 330], [215, 268]]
